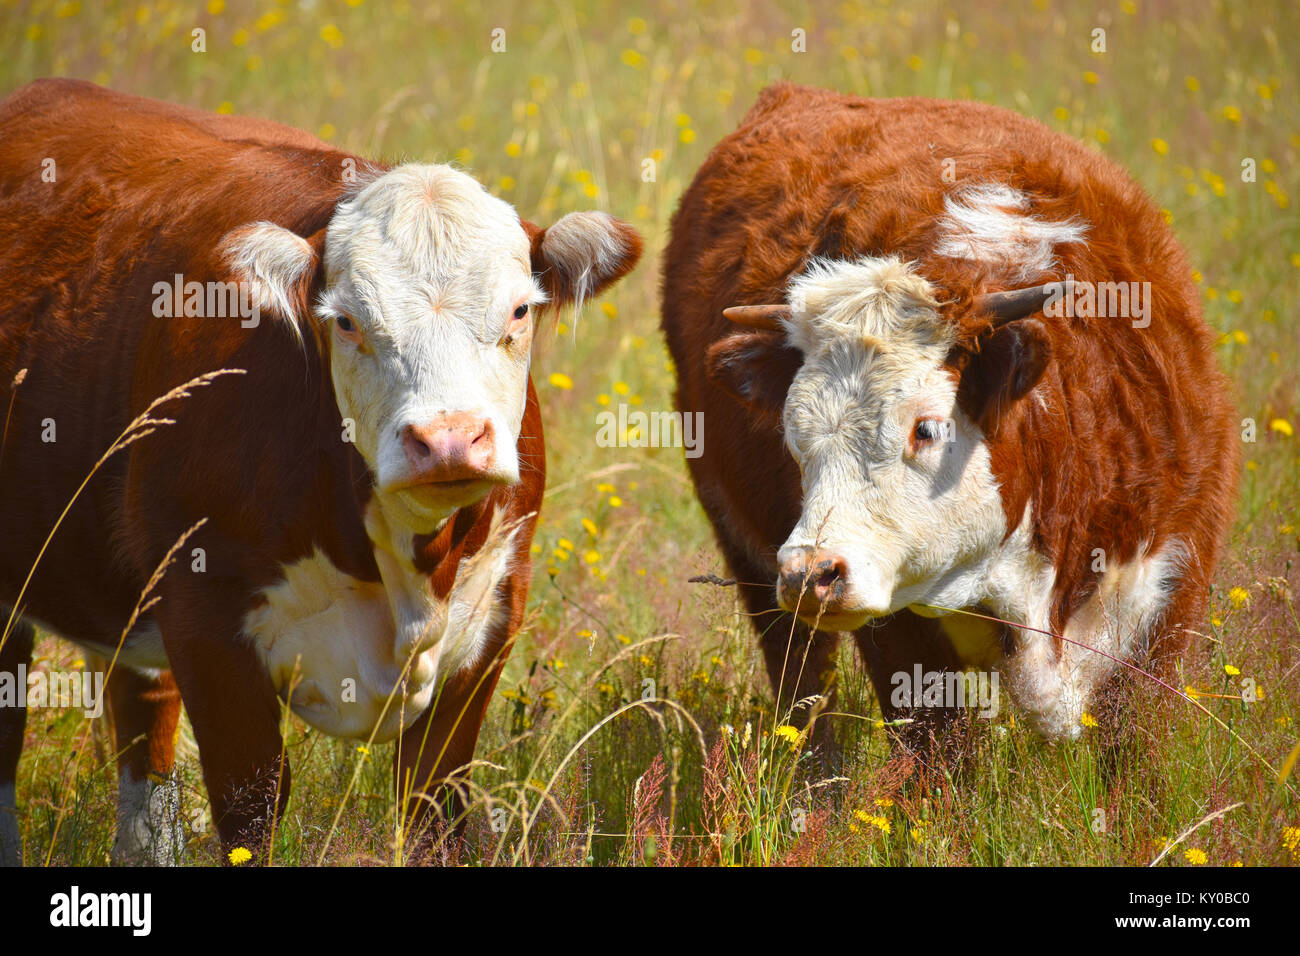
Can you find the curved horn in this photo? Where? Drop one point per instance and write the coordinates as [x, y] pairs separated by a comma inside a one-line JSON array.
[[767, 317], [1018, 303]]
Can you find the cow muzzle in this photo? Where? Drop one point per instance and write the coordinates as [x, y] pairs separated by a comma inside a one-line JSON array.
[[453, 448], [814, 584]]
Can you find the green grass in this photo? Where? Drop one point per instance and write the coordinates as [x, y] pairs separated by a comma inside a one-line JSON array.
[[563, 120]]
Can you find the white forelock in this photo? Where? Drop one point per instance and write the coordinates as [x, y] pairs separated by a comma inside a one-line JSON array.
[[871, 300]]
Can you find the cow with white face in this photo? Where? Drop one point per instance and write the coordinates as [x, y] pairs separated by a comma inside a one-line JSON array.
[[354, 470], [901, 508], [427, 297], [894, 416], [911, 441]]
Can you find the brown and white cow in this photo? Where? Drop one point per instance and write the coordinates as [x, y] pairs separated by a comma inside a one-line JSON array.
[[370, 483], [920, 414]]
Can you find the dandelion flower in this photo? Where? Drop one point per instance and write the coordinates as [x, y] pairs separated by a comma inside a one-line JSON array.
[[1230, 670], [1195, 857], [1239, 597], [788, 734], [560, 380], [1088, 720], [240, 855]]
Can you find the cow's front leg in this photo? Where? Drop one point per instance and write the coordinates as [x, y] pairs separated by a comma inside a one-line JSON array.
[[894, 650], [234, 711], [146, 709], [438, 745], [17, 652]]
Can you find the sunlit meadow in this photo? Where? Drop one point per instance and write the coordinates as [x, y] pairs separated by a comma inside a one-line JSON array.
[[574, 766]]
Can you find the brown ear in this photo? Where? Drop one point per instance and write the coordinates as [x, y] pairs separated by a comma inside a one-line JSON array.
[[581, 255], [1009, 363], [756, 368]]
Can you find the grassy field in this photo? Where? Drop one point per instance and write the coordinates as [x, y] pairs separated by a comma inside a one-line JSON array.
[[563, 119]]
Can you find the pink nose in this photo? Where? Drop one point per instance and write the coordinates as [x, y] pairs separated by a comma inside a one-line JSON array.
[[813, 581], [456, 446]]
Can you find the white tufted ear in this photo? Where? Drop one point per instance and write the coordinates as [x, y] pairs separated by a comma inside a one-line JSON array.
[[582, 254], [277, 265]]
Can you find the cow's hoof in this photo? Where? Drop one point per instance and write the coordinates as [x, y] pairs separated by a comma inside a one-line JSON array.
[[149, 831]]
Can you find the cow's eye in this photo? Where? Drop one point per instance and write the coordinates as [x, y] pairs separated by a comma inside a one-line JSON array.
[[927, 430], [521, 311], [347, 329]]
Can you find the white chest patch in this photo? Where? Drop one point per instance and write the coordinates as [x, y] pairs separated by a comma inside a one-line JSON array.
[[354, 657], [1055, 687]]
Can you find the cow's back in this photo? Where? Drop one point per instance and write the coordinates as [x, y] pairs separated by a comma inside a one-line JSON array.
[[102, 196]]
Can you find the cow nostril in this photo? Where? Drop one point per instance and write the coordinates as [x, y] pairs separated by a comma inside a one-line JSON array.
[[830, 577], [415, 444]]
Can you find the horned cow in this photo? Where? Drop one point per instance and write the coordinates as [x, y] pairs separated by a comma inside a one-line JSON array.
[[356, 448], [899, 319]]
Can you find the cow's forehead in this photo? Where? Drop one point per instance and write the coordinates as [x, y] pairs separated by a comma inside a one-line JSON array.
[[428, 227], [874, 319]]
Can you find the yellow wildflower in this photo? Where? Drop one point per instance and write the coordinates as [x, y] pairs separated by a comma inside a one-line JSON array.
[[789, 734]]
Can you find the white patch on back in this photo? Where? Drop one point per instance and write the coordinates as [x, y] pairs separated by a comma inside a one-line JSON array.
[[320, 628], [985, 222]]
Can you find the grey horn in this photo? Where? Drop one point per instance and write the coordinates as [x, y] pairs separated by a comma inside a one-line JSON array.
[[1018, 303]]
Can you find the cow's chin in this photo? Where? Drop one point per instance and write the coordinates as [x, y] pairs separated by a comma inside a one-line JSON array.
[[423, 508], [838, 621], [440, 498]]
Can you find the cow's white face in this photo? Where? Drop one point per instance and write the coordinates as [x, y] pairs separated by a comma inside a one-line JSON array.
[[900, 504], [429, 297], [429, 289]]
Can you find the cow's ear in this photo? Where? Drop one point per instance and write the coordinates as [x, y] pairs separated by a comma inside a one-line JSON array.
[[581, 255], [1009, 363], [279, 266], [756, 368]]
